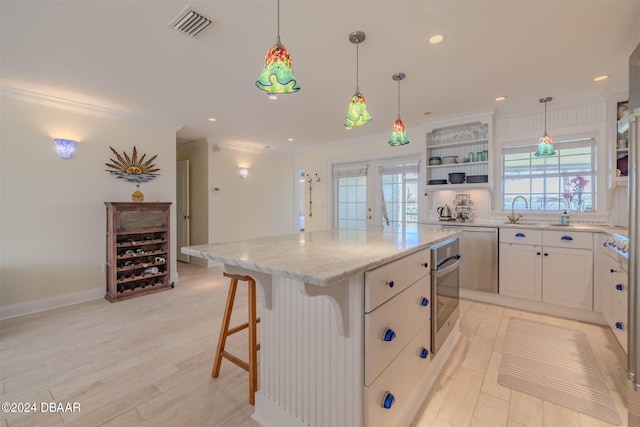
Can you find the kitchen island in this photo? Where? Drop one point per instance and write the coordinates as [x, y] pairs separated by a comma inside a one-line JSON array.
[[317, 367]]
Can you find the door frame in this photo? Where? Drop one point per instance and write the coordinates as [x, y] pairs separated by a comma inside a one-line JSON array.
[[375, 192]]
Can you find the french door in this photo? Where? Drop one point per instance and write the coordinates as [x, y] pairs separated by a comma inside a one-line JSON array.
[[381, 192]]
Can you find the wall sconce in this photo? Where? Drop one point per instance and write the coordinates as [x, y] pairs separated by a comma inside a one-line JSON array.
[[65, 147], [243, 172]]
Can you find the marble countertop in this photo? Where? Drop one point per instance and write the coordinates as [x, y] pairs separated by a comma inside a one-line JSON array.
[[601, 228], [322, 257]]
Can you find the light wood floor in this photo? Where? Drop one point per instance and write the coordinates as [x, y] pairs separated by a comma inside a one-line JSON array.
[[147, 362]]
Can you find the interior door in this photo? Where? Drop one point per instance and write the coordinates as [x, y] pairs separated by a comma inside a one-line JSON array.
[[352, 196], [397, 181], [182, 207], [381, 192]]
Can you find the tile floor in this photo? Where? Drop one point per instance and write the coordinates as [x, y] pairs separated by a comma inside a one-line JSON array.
[[147, 362]]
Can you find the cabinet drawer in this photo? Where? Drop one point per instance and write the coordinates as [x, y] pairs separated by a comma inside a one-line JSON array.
[[567, 239], [406, 374], [404, 315], [382, 283], [618, 324], [522, 236], [621, 293]]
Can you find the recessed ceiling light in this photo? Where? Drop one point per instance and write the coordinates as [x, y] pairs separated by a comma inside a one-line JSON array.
[[212, 119], [348, 127], [436, 38], [290, 139], [500, 98], [273, 97], [600, 78]]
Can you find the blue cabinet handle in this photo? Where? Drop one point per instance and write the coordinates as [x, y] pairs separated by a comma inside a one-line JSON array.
[[389, 334], [424, 301], [520, 235], [566, 238], [387, 403], [619, 287], [619, 325], [424, 353], [390, 283]]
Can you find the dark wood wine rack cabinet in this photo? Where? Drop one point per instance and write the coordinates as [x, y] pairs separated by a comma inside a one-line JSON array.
[[138, 249]]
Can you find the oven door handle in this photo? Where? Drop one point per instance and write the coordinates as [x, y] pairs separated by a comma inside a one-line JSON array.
[[438, 273]]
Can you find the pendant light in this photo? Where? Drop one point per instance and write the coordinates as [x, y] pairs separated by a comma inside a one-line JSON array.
[[357, 114], [277, 75], [398, 134], [545, 147]]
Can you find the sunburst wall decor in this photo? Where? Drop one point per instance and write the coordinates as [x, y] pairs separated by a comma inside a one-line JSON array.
[[132, 169]]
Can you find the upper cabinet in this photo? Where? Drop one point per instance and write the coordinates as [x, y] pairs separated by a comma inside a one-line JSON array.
[[622, 144], [459, 153]]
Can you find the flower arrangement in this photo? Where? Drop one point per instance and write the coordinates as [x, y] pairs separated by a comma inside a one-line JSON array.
[[575, 187], [578, 183]]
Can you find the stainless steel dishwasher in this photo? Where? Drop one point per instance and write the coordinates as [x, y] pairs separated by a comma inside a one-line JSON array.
[[479, 264]]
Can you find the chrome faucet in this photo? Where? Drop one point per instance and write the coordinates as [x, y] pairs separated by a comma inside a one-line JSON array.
[[512, 217]]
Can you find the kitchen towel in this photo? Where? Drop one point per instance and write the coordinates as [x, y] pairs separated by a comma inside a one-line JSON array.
[[556, 364]]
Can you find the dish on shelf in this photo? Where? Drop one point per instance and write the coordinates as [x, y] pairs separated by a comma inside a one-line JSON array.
[[475, 179], [434, 160], [457, 177], [461, 159], [449, 160], [437, 181]]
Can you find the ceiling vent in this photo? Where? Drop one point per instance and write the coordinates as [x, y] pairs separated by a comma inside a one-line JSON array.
[[190, 22]]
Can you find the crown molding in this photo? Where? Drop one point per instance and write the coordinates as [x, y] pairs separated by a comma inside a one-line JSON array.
[[84, 108]]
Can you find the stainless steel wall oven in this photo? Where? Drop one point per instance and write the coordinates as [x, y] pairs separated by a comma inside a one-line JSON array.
[[445, 285]]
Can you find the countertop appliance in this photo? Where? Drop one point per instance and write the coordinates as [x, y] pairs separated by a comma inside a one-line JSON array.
[[445, 283], [479, 265]]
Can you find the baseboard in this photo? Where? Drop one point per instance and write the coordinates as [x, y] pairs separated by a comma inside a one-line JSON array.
[[534, 306], [44, 304]]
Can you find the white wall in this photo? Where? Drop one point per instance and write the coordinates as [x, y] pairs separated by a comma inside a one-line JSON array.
[[260, 205], [52, 215], [593, 116], [318, 161]]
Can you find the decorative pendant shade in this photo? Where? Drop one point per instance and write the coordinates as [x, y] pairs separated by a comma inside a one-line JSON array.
[[545, 143], [277, 75], [398, 134], [357, 114]]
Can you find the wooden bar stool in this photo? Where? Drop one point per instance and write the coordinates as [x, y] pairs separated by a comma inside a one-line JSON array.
[[252, 366]]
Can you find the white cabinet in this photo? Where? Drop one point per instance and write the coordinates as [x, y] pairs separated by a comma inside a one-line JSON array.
[[567, 277], [397, 338], [390, 327], [553, 267], [460, 137], [396, 385], [521, 271], [615, 299]]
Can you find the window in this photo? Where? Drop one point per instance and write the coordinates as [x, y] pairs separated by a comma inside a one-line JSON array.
[[565, 180]]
